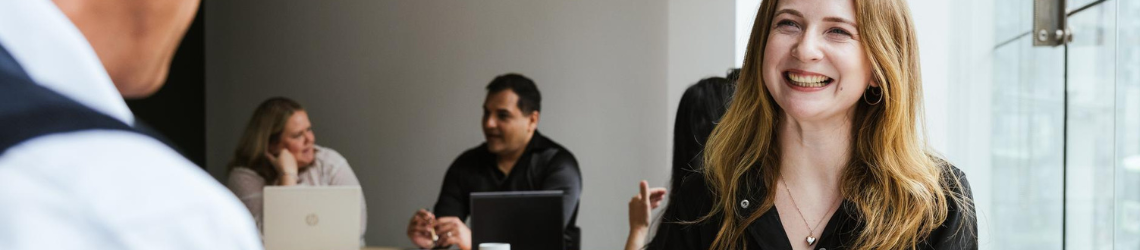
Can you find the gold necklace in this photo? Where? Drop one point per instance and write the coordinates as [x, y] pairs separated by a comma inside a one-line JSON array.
[[811, 230]]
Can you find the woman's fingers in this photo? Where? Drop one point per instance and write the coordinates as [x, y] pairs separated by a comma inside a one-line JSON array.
[[271, 158], [285, 153], [657, 193], [644, 185], [655, 197], [650, 196]]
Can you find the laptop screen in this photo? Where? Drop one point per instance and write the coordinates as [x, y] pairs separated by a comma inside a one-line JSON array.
[[525, 219]]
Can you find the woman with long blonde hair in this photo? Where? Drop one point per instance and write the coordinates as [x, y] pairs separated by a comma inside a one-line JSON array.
[[822, 147]]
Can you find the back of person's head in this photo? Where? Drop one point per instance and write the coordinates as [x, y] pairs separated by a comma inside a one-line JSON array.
[[530, 100], [263, 130], [701, 107], [137, 63]]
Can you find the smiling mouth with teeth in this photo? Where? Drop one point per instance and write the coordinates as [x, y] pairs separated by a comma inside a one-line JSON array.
[[807, 81]]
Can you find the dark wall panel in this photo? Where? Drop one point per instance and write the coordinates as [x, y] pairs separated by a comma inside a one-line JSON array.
[[178, 110]]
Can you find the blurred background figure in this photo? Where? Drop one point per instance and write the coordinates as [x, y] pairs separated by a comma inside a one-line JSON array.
[[701, 107], [75, 172]]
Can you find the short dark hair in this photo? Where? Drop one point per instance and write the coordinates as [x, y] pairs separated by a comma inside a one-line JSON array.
[[530, 99]]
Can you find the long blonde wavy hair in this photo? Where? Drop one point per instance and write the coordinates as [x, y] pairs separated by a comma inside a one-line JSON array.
[[894, 180]]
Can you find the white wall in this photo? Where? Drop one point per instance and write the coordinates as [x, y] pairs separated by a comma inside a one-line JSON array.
[[956, 43], [745, 16], [700, 46], [396, 87]]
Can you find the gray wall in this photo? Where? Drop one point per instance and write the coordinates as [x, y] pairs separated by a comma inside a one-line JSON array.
[[396, 87]]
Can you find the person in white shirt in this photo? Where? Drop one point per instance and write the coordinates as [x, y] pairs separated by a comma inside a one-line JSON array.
[[74, 174]]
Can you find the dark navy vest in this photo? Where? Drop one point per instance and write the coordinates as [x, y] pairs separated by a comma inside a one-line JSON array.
[[28, 110]]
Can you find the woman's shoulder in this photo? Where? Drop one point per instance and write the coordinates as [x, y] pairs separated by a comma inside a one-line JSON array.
[[693, 199], [242, 172], [323, 152], [956, 188], [959, 229], [243, 178], [955, 179], [334, 168], [329, 157]]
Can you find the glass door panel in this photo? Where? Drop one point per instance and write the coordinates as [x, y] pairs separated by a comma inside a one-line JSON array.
[[1127, 159], [1026, 142], [1090, 134]]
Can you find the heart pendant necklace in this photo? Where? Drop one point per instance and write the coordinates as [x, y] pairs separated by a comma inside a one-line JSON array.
[[811, 230]]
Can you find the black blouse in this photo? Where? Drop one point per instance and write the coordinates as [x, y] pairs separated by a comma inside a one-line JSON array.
[[695, 199]]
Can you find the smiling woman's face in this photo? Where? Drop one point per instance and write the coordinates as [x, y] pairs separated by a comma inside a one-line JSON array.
[[298, 138], [814, 64]]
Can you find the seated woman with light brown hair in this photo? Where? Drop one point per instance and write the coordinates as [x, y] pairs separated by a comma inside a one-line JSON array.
[[278, 149]]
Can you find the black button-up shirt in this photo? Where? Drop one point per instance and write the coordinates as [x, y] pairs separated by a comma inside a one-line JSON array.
[[544, 165], [694, 200]]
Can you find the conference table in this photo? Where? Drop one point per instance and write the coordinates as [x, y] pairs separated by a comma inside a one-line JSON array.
[[395, 248]]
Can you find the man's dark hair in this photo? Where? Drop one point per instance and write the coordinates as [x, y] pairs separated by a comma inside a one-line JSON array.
[[529, 98]]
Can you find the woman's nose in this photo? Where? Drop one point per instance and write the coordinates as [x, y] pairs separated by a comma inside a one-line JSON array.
[[807, 50]]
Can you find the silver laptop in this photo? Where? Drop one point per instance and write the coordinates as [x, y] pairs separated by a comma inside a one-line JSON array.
[[311, 218]]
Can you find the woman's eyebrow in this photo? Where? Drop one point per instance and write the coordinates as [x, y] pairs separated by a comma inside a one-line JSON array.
[[839, 20], [790, 12], [828, 19]]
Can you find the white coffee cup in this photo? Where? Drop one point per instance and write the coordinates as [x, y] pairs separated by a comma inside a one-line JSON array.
[[494, 246]]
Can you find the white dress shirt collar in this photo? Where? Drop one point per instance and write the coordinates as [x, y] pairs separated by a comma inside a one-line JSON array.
[[56, 55]]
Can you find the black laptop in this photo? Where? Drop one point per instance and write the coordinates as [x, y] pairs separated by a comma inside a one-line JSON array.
[[525, 219]]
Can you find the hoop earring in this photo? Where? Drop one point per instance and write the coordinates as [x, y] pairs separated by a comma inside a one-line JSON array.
[[868, 100]]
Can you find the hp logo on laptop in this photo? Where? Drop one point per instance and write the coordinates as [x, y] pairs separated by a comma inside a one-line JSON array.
[[312, 220]]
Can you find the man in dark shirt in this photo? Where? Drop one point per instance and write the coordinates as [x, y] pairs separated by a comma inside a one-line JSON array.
[[515, 157]]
